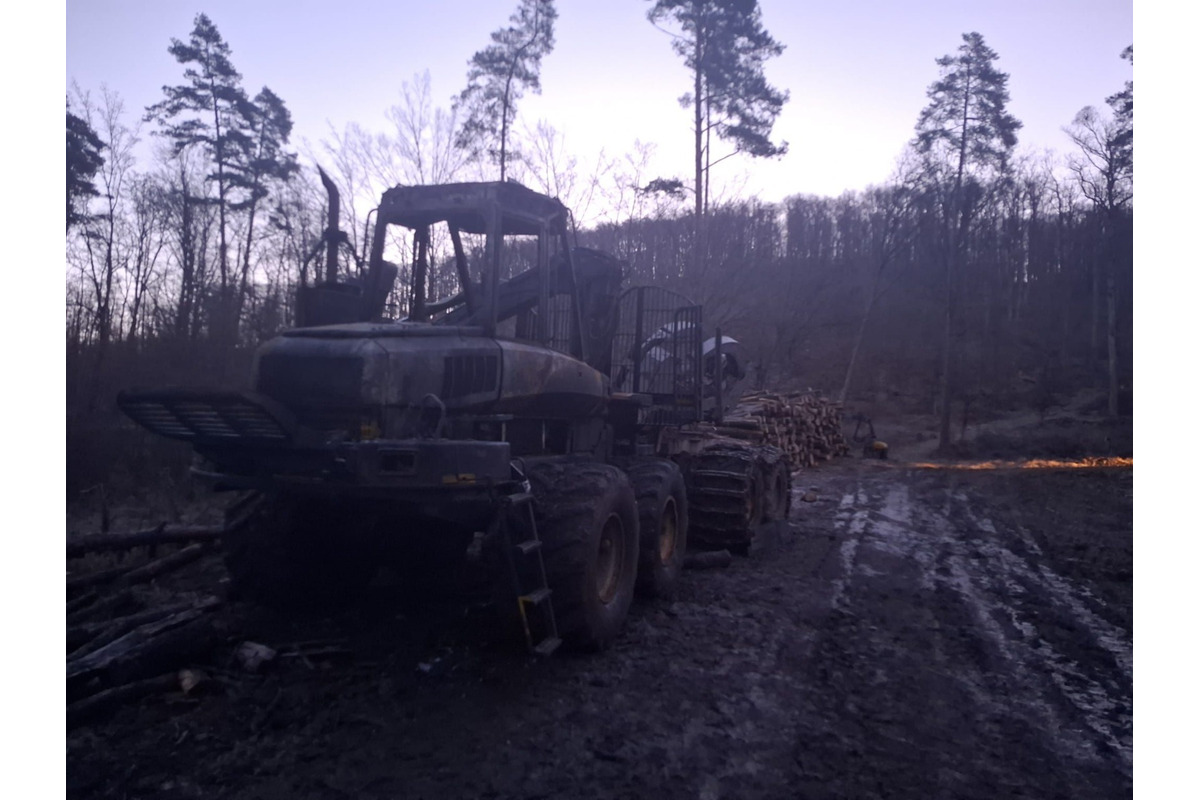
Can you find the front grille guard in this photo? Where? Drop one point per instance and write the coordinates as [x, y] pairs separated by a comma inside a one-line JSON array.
[[210, 417]]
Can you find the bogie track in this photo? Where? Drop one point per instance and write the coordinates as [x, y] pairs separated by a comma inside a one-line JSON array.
[[732, 489]]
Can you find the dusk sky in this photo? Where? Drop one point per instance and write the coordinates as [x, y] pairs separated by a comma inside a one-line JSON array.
[[857, 71]]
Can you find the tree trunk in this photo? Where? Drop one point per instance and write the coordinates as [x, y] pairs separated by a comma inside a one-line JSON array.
[[1094, 344], [163, 534], [1113, 382], [944, 387], [858, 339], [698, 124], [952, 268]]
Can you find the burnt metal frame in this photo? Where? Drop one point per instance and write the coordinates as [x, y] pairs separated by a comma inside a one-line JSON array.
[[495, 210], [661, 318]]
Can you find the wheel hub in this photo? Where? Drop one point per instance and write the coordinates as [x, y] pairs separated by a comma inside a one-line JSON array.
[[610, 559], [668, 532]]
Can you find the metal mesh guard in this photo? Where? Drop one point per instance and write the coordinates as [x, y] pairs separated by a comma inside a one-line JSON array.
[[656, 351], [190, 417]]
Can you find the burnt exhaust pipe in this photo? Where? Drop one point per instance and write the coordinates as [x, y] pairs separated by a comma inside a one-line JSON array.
[[332, 232]]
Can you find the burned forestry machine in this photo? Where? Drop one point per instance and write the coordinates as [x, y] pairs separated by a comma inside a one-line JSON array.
[[540, 418]]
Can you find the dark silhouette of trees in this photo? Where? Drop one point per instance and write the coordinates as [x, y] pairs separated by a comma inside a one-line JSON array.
[[239, 147], [976, 275], [266, 161], [966, 135], [498, 76], [211, 111], [102, 253], [890, 224], [1103, 166]]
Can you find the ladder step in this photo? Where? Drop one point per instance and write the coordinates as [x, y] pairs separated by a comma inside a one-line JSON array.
[[529, 546], [520, 498], [537, 597], [547, 646]]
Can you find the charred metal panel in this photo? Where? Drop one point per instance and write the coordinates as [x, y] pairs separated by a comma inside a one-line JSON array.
[[462, 372], [318, 378], [325, 384], [387, 330], [543, 383], [523, 211]]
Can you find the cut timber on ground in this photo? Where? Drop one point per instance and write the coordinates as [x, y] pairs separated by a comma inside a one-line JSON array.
[[806, 427], [163, 534]]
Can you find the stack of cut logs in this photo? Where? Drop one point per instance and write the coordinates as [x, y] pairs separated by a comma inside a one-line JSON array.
[[806, 427]]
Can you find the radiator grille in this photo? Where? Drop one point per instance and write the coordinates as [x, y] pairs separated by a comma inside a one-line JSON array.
[[465, 375]]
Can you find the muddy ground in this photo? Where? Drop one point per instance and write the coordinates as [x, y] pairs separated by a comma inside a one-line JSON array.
[[913, 632]]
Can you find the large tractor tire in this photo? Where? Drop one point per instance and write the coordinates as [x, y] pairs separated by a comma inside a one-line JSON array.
[[297, 553], [663, 524], [587, 520]]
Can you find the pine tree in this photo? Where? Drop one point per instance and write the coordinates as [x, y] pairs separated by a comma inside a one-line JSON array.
[[498, 77], [265, 161], [210, 110], [1121, 104], [83, 162], [725, 46], [965, 130]]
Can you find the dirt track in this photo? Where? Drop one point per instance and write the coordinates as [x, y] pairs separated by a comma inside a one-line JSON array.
[[914, 633]]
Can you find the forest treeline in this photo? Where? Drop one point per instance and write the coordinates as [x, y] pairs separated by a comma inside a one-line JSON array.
[[976, 278]]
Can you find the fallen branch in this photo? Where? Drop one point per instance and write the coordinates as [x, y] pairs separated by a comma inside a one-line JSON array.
[[161, 566], [107, 701], [88, 637], [77, 582], [77, 604], [100, 606], [147, 650], [125, 576], [163, 534]]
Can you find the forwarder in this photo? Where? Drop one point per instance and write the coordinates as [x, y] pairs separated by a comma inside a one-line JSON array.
[[538, 413]]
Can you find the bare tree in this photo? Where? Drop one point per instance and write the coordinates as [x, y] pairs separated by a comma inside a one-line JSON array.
[[893, 226], [147, 226], [103, 254], [1103, 167], [423, 136]]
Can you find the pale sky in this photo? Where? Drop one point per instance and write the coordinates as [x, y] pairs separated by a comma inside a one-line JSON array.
[[857, 71]]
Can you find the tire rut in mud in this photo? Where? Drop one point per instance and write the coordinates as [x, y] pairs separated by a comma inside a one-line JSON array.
[[896, 643], [926, 653]]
